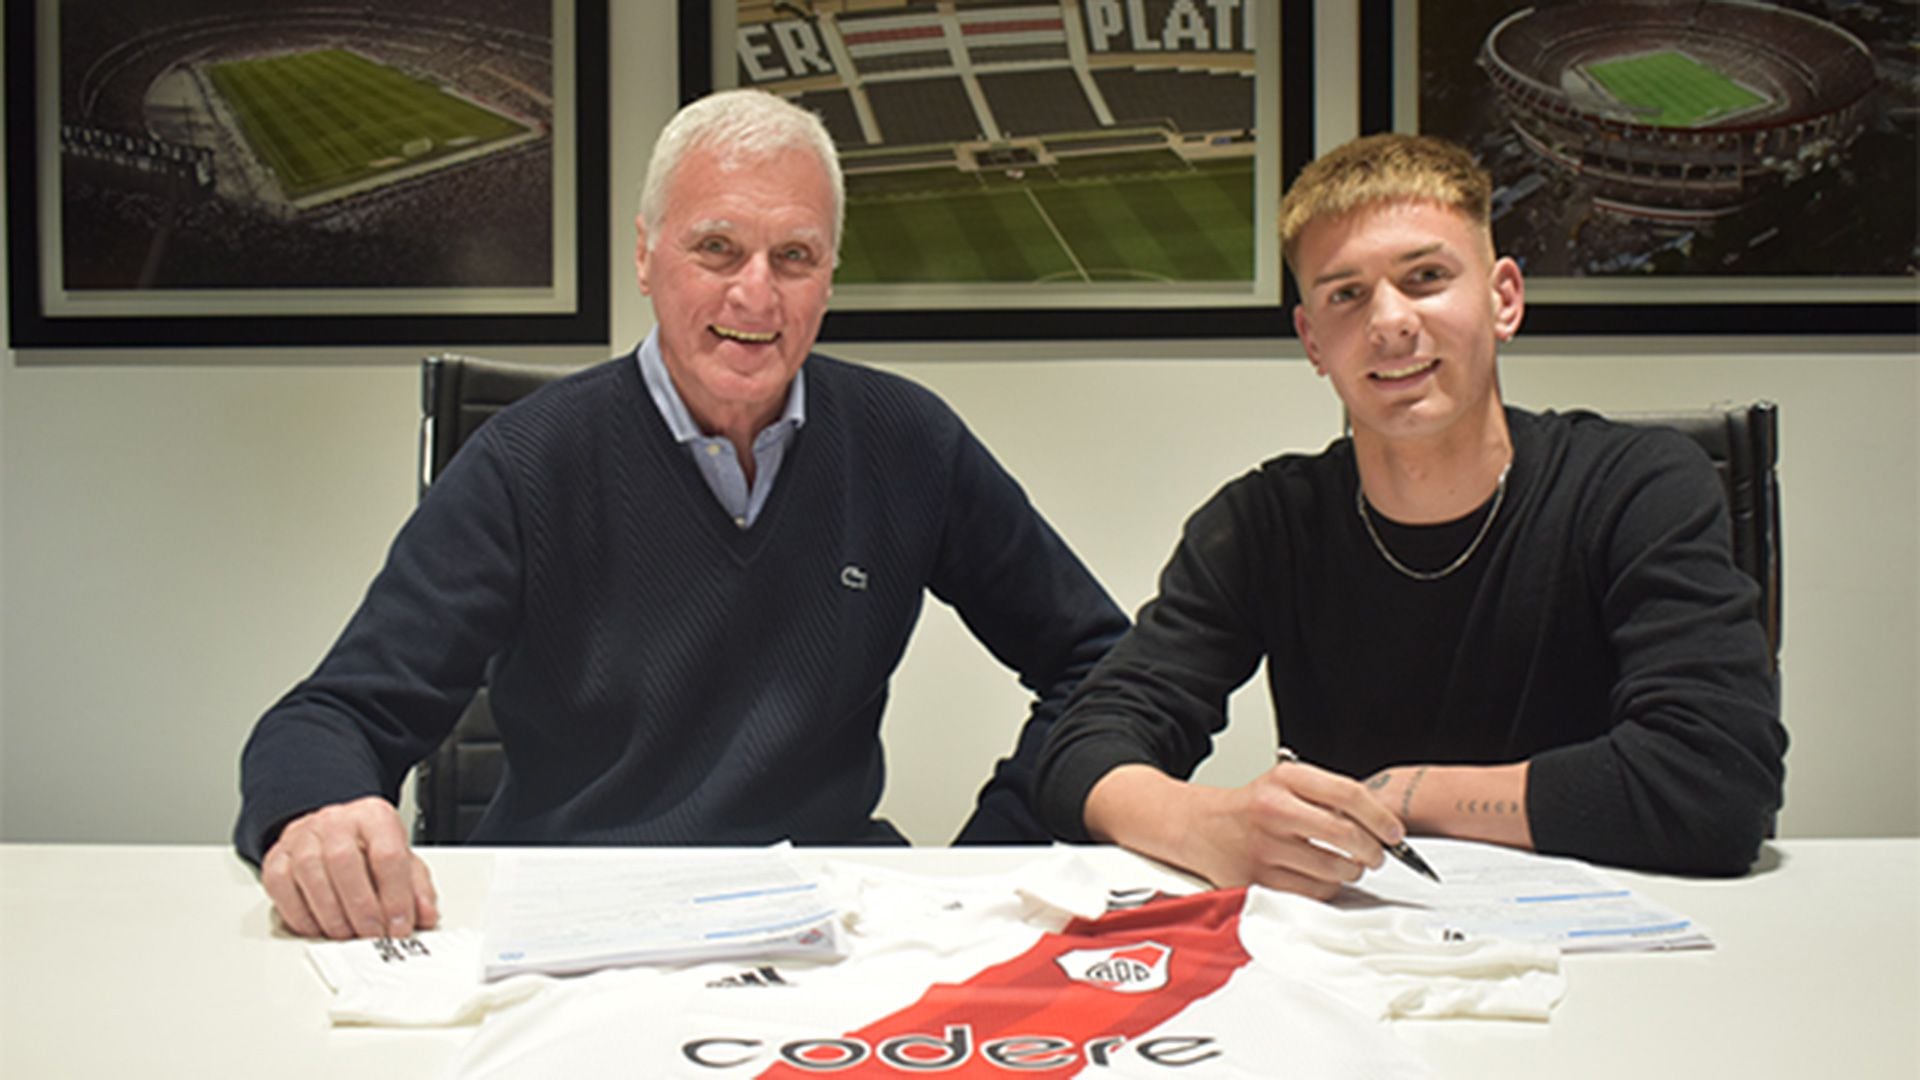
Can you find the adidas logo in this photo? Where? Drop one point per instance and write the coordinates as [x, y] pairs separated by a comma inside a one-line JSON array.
[[765, 975]]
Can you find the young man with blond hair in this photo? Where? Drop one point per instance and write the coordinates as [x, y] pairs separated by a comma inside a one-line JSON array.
[[1477, 621]]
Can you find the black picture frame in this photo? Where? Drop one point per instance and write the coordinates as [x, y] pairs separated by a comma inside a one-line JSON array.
[[1390, 75], [578, 312], [1292, 20]]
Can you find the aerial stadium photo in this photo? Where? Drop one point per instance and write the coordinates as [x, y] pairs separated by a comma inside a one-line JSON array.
[[1013, 144], [245, 145], [1710, 138]]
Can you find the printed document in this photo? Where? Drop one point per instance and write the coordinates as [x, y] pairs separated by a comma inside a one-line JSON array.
[[1491, 890], [568, 911]]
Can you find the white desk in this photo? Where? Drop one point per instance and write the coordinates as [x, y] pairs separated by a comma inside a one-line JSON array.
[[120, 961]]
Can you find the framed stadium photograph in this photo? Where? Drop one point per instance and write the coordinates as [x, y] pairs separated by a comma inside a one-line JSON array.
[[1034, 169], [1716, 166], [244, 172]]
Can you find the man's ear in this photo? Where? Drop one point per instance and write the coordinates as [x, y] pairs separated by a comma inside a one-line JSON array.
[[640, 254], [1303, 328], [1509, 298]]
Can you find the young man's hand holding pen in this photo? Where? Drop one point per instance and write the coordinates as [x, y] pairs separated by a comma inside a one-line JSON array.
[[1295, 827], [1402, 850]]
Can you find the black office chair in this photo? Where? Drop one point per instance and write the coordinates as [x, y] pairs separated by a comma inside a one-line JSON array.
[[1743, 441], [454, 784]]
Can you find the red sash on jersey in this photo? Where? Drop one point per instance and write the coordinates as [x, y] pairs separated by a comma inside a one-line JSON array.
[[1070, 1001]]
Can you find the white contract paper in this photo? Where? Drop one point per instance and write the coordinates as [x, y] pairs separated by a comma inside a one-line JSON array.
[[565, 912], [1499, 891]]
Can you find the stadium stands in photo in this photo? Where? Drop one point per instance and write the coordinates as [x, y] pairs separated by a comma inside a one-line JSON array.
[[919, 111], [1192, 101], [834, 107], [1038, 102], [1813, 79], [1044, 125], [464, 218]]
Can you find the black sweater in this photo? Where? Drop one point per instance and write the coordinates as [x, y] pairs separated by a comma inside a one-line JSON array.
[[1602, 631], [658, 674]]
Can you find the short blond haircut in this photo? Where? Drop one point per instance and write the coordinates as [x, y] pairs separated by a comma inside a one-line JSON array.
[[1385, 168]]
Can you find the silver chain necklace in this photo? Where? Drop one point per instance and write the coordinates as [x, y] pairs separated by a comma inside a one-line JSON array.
[[1360, 507]]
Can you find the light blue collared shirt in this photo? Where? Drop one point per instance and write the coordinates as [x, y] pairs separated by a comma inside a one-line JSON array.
[[714, 456]]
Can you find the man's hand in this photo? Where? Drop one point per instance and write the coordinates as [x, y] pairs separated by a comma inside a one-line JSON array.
[[1295, 827], [345, 871]]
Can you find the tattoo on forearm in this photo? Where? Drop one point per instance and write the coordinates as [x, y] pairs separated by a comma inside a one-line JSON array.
[[1380, 781], [1406, 797], [1488, 806]]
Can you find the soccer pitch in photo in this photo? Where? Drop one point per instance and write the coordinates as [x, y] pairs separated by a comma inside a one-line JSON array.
[[331, 117], [1672, 89], [1186, 223]]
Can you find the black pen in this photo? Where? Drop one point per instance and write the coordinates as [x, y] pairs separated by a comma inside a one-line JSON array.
[[1402, 851]]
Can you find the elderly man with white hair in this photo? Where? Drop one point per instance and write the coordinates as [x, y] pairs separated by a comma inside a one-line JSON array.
[[686, 575]]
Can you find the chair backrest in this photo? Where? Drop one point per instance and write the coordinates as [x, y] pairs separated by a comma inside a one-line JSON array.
[[1743, 441], [454, 784]]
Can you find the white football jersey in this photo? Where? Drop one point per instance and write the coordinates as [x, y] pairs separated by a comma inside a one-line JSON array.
[[974, 978]]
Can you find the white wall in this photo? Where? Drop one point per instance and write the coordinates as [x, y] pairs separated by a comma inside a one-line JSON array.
[[181, 534]]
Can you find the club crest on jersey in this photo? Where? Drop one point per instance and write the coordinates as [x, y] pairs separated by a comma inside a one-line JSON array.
[[1128, 969]]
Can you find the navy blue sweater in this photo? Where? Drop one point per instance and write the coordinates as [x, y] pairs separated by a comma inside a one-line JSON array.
[[659, 675], [1601, 632]]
